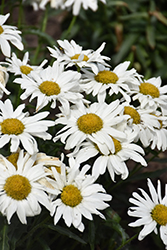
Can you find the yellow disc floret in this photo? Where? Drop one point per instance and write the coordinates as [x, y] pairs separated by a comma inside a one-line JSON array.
[[12, 126], [25, 69], [89, 123], [133, 113], [159, 214], [149, 89], [1, 29], [76, 56], [13, 158], [106, 77], [117, 145], [71, 196], [49, 88], [17, 187]]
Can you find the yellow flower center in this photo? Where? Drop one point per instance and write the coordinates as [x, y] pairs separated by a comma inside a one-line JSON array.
[[117, 145], [17, 187], [89, 123], [13, 159], [12, 126], [133, 113], [57, 168], [106, 77], [76, 56], [71, 196], [49, 88], [159, 214], [149, 89], [1, 29], [25, 69]]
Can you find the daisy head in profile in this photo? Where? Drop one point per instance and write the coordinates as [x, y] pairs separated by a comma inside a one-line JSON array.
[[50, 85], [70, 53], [22, 67], [115, 162], [142, 121], [151, 94], [78, 195], [116, 81], [8, 34], [20, 191], [96, 123], [151, 209], [4, 76], [16, 127]]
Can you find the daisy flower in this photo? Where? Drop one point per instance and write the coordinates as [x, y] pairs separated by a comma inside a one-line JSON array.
[[79, 196], [114, 162], [50, 85], [114, 81], [71, 54], [3, 80], [150, 94], [18, 67], [95, 123], [151, 210], [20, 191], [16, 127], [159, 135], [76, 5], [142, 121], [9, 33]]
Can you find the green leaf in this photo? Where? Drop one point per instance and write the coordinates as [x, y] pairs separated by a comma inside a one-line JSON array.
[[67, 232], [4, 240], [41, 34], [150, 34]]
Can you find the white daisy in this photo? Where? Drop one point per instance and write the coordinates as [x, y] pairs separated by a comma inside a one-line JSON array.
[[95, 123], [76, 5], [143, 122], [18, 67], [159, 135], [150, 94], [16, 126], [9, 33], [115, 81], [114, 162], [79, 196], [3, 80], [71, 54], [50, 85], [152, 211], [20, 191]]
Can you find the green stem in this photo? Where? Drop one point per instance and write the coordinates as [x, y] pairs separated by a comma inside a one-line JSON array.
[[2, 6], [68, 31], [43, 28], [126, 242], [20, 15]]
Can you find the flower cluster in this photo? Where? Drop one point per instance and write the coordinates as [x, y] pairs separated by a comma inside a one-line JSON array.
[[102, 116]]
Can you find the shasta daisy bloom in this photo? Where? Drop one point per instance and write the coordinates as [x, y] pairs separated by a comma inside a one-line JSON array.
[[79, 196], [151, 210], [159, 135], [16, 127], [114, 81], [22, 67], [20, 191], [142, 121], [3, 80], [71, 54], [50, 85], [9, 33], [95, 123], [115, 162], [150, 94]]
